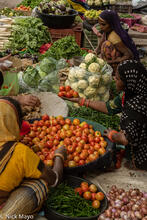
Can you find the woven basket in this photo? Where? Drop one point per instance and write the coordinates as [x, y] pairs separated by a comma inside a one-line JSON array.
[[74, 182]]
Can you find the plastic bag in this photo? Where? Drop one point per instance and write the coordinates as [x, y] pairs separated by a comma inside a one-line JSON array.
[[10, 86], [50, 83], [23, 87]]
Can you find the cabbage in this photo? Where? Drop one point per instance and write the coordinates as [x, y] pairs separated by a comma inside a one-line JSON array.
[[48, 65]]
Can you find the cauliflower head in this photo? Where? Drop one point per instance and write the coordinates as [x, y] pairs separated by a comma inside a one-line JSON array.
[[67, 83], [101, 61], [106, 78], [80, 73], [105, 97], [82, 84], [94, 80], [74, 86], [71, 75], [89, 57], [89, 91], [83, 66], [101, 90], [94, 67]]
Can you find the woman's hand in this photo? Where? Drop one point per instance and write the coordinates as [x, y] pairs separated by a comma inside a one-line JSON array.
[[117, 137], [76, 100], [29, 100]]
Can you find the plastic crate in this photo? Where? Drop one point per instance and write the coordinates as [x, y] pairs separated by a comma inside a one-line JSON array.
[[92, 38], [75, 31], [122, 8]]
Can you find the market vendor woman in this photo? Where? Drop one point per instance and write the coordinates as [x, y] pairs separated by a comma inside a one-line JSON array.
[[116, 44], [131, 77], [24, 179]]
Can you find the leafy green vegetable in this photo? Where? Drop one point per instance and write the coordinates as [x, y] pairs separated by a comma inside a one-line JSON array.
[[64, 48], [87, 113], [29, 33], [126, 16], [63, 200], [31, 3], [10, 12], [48, 65], [31, 77]]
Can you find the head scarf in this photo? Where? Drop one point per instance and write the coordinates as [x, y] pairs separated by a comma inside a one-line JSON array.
[[134, 114], [112, 18], [9, 122]]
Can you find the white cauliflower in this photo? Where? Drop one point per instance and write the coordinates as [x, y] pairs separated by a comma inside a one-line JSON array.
[[96, 98], [105, 97], [94, 67], [94, 80], [89, 91], [82, 95], [101, 61], [101, 90], [83, 66], [82, 84], [80, 73], [74, 86], [67, 83], [106, 78], [71, 75], [89, 57]]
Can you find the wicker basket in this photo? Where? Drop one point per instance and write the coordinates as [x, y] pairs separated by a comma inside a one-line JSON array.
[[93, 39], [74, 182]]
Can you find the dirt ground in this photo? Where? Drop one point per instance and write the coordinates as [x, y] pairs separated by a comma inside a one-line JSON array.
[[122, 178], [9, 3]]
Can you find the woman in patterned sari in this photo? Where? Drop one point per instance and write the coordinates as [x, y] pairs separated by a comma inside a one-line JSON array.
[[24, 179], [116, 45], [131, 78]]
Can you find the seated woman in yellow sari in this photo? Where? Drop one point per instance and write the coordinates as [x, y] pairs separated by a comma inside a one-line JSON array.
[[24, 179]]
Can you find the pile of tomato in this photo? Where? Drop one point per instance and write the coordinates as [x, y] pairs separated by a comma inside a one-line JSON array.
[[82, 142], [67, 91], [23, 8], [90, 192]]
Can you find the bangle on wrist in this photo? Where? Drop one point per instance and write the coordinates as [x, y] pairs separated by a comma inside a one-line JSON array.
[[111, 134], [59, 155], [87, 103], [82, 102], [57, 179]]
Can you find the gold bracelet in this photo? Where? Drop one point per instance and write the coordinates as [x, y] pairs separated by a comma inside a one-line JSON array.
[[59, 155]]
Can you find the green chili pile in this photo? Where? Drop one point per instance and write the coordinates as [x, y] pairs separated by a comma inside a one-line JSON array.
[[63, 200]]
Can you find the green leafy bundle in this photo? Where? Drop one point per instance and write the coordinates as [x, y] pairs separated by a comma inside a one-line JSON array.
[[29, 33], [89, 114], [63, 200], [64, 48], [31, 3]]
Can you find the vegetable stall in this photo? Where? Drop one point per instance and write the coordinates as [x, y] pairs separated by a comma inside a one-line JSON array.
[[64, 65]]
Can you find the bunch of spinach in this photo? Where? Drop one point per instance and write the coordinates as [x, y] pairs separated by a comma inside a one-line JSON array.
[[28, 33], [31, 3], [64, 48]]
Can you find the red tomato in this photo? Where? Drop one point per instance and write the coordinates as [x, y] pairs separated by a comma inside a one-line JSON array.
[[103, 143], [40, 123], [61, 122], [70, 149], [45, 117], [102, 151], [99, 196], [68, 95], [61, 88], [81, 162], [47, 123], [86, 146], [76, 159], [75, 94], [68, 133], [92, 188], [78, 149], [72, 163], [78, 190], [84, 188], [87, 195], [76, 121], [96, 204], [93, 196], [60, 94], [32, 134], [67, 88], [97, 147], [97, 133], [67, 141], [97, 139], [68, 121], [63, 134], [66, 127], [49, 144]]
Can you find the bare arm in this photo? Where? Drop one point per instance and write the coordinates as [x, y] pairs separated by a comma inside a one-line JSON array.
[[126, 53], [96, 105], [49, 175]]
